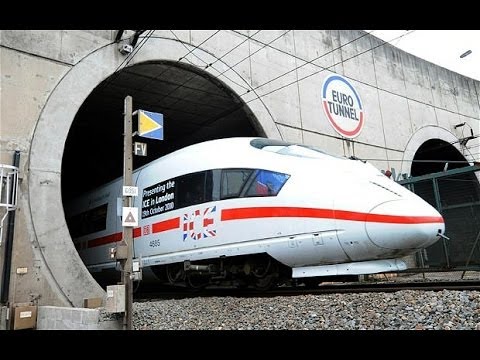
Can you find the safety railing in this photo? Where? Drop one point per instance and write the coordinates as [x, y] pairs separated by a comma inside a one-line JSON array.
[[8, 192]]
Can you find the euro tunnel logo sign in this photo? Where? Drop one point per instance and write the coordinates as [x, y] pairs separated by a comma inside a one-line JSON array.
[[342, 106], [150, 125]]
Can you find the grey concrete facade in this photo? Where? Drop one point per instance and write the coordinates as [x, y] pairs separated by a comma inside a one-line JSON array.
[[47, 75], [66, 318], [3, 317]]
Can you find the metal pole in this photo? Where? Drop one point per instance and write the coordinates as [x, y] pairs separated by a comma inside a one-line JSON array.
[[471, 254], [438, 202], [127, 201]]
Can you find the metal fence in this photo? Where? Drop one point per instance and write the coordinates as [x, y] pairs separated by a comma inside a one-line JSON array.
[[456, 195]]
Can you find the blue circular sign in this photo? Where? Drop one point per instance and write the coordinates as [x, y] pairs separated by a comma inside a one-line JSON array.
[[343, 106]]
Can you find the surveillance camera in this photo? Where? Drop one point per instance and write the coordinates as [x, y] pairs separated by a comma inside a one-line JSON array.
[[126, 49]]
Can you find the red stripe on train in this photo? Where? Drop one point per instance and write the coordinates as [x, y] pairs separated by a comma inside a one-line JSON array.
[[105, 240], [261, 212], [166, 225], [137, 232], [390, 219]]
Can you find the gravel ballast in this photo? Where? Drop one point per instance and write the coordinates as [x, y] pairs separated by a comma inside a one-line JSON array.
[[402, 310]]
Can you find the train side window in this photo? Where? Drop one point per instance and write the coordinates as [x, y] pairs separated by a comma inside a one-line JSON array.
[[233, 181], [216, 182], [191, 189], [208, 195], [266, 183], [88, 222]]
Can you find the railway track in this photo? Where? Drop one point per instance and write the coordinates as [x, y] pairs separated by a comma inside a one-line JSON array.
[[148, 294]]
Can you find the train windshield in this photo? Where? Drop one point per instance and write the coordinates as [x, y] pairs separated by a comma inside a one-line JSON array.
[[285, 148]]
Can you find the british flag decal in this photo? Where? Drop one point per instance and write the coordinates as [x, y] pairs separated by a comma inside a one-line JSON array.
[[209, 229], [200, 224]]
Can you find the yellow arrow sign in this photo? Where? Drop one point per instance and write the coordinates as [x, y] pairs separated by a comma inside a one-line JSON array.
[[146, 124]]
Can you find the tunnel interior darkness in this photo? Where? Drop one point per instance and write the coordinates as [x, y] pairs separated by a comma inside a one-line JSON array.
[[196, 107], [456, 197], [433, 155]]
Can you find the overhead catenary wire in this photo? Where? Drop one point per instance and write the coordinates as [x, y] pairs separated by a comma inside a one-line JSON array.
[[436, 160], [134, 52], [196, 47], [232, 49], [126, 61], [139, 47], [446, 144], [474, 154], [199, 58], [253, 53], [259, 97], [129, 58], [319, 71], [343, 61], [351, 78], [473, 146], [306, 62], [383, 42], [220, 74], [190, 51], [256, 51], [188, 80], [159, 75]]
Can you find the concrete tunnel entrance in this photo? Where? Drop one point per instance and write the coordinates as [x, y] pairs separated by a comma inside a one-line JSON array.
[[77, 142], [196, 107], [433, 155], [455, 196]]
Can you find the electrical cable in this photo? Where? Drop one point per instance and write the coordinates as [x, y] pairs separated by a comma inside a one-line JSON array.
[[317, 72], [125, 61], [185, 46], [235, 47], [196, 47], [349, 77], [258, 97], [223, 73], [256, 51], [306, 62]]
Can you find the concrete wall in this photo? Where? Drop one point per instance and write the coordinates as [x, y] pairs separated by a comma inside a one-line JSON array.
[[46, 76], [65, 318], [3, 317], [32, 63]]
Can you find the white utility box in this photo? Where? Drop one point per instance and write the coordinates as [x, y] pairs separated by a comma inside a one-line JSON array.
[[115, 302]]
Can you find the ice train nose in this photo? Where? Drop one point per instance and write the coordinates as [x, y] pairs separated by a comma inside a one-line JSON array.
[[404, 224]]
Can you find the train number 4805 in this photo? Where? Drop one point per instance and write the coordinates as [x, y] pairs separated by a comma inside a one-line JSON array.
[[154, 243]]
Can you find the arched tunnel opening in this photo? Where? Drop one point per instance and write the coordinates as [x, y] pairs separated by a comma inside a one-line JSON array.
[[456, 196], [433, 156], [196, 107]]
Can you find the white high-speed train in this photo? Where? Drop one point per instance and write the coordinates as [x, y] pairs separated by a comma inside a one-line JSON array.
[[255, 211]]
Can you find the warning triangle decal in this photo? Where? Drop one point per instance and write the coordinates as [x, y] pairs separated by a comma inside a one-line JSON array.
[[130, 218]]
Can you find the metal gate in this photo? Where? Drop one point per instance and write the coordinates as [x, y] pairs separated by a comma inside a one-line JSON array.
[[456, 195]]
